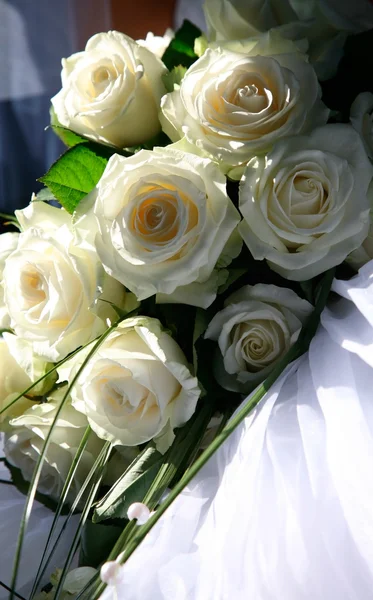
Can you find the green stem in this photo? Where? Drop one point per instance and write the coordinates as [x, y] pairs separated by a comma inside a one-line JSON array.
[[37, 471], [65, 489]]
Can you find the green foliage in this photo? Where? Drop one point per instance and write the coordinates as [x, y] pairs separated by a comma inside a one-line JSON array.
[[130, 487], [69, 138], [96, 542], [173, 78], [181, 49], [75, 174]]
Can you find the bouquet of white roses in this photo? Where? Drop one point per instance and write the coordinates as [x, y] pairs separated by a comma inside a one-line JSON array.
[[179, 256]]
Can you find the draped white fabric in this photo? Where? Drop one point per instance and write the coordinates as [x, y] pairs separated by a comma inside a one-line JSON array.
[[284, 510]]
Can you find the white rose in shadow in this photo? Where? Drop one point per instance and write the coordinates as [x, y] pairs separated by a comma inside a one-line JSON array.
[[256, 328]]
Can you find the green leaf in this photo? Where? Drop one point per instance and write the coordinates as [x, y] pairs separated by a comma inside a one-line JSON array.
[[69, 138], [96, 543], [234, 275], [173, 78], [200, 326], [181, 48], [75, 174], [130, 487]]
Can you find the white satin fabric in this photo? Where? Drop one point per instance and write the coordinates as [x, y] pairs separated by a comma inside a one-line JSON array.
[[284, 510], [11, 509]]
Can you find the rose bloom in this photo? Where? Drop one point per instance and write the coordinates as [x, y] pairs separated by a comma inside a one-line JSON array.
[[157, 44], [232, 105], [25, 440], [345, 15], [164, 221], [305, 204], [364, 254], [54, 288], [8, 243], [256, 328], [109, 88], [19, 368], [240, 19], [137, 386]]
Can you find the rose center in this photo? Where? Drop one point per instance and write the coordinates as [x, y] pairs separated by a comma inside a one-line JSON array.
[[252, 98], [32, 287]]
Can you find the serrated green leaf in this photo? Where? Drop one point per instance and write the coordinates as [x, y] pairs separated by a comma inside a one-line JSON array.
[[130, 487], [180, 51], [75, 174], [173, 78], [69, 138]]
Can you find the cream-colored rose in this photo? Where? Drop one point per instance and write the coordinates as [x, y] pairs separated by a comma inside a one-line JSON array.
[[359, 257], [346, 15], [361, 116], [13, 381], [54, 288], [136, 387], [165, 225], [330, 22], [305, 205], [157, 43], [111, 91], [19, 368], [239, 19], [232, 105], [256, 328], [24, 443], [8, 243]]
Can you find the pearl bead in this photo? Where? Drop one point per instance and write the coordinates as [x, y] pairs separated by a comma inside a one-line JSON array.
[[109, 571], [138, 511]]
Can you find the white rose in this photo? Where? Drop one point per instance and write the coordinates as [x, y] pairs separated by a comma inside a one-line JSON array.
[[239, 19], [255, 329], [331, 21], [111, 91], [13, 381], [157, 43], [24, 443], [361, 116], [345, 15], [233, 105], [305, 204], [164, 220], [359, 257], [137, 386], [19, 368], [54, 288], [8, 243], [75, 582]]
